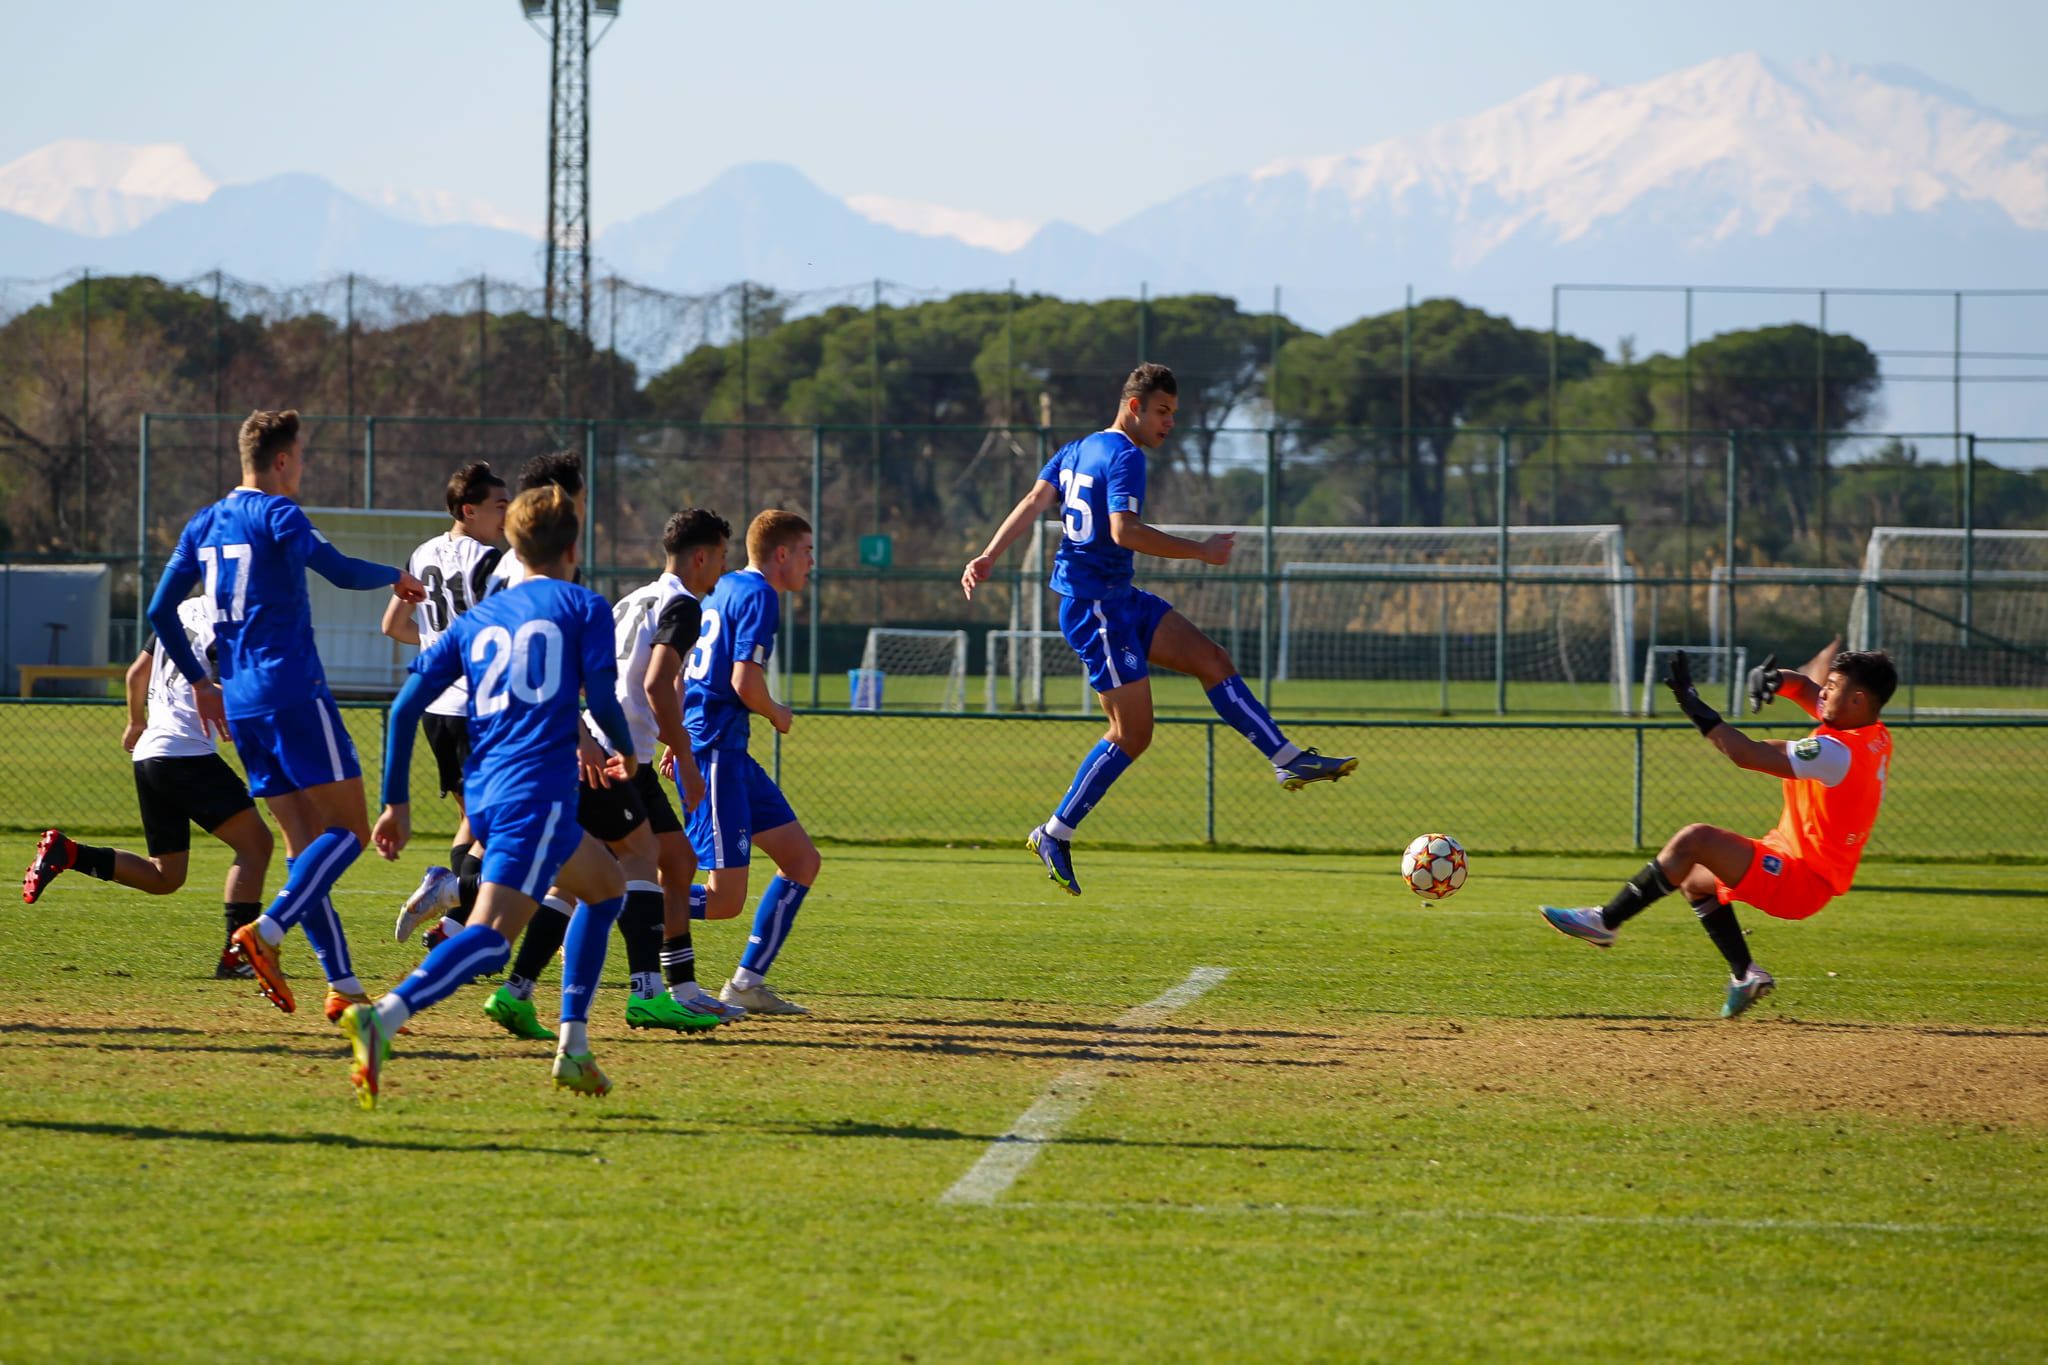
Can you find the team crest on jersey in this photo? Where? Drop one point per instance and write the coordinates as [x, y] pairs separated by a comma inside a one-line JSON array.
[[1773, 864]]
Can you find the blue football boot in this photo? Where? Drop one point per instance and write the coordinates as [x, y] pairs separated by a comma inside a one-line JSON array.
[[1746, 991], [1058, 856], [1309, 766], [1583, 922]]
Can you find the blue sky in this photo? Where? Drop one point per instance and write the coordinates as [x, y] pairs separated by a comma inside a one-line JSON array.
[[1082, 111]]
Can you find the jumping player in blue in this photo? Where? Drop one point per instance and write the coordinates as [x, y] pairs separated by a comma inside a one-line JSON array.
[[528, 652], [252, 548], [725, 684], [1098, 485]]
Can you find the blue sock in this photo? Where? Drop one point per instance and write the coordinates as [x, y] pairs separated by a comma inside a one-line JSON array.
[[772, 921], [477, 951], [583, 955], [700, 899], [1236, 704], [329, 944], [313, 875], [1104, 764]]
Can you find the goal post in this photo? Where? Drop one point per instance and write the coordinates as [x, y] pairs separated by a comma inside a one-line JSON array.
[[1964, 614], [1017, 663], [1710, 665], [921, 670]]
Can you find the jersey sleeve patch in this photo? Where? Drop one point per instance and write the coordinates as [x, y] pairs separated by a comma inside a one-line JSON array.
[[1819, 758]]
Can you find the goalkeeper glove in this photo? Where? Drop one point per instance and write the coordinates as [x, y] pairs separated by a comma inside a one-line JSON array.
[[1679, 680], [1764, 681]]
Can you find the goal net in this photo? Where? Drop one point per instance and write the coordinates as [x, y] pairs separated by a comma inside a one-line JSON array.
[[1964, 616], [1416, 612], [915, 670], [1714, 672], [1018, 663], [354, 650]]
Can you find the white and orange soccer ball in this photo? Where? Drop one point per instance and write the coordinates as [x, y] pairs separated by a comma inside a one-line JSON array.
[[1433, 866]]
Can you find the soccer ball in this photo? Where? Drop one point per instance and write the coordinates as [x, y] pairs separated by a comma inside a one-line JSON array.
[[1434, 866]]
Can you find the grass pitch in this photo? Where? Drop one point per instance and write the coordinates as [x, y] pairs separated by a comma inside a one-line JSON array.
[[1393, 1130]]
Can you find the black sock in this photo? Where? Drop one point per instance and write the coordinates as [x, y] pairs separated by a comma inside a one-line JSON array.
[[542, 940], [679, 960], [1643, 889], [92, 861], [466, 888], [457, 855], [239, 913], [472, 864], [1721, 926], [640, 927]]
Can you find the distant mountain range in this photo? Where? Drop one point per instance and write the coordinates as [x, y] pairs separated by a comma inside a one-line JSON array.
[[1738, 170]]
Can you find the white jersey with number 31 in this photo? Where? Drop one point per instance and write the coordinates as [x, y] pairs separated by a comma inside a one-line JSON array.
[[456, 571]]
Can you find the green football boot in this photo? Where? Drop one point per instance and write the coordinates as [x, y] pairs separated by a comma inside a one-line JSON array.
[[662, 1011], [580, 1074], [516, 1016]]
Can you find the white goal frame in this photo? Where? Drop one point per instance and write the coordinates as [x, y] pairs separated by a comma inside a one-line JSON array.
[[1027, 683], [955, 673]]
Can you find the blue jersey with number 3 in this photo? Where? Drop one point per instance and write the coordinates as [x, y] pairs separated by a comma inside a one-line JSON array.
[[528, 652], [1096, 475], [738, 623]]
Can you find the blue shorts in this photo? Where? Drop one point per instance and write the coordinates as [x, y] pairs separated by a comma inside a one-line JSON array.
[[1113, 635], [526, 842], [740, 800], [295, 747]]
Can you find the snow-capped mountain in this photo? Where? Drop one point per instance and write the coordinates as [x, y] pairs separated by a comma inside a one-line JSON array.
[[98, 189], [1736, 168]]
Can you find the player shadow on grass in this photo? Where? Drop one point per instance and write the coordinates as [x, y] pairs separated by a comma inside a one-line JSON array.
[[325, 1051], [915, 1132], [974, 1046], [76, 1030], [154, 1133]]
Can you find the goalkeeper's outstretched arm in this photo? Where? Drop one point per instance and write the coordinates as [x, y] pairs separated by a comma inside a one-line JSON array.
[[1034, 505]]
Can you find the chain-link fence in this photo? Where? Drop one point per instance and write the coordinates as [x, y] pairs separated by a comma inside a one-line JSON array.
[[1955, 790]]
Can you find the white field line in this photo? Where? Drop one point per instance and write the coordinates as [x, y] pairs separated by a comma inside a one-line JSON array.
[[1536, 1219], [1009, 1155]]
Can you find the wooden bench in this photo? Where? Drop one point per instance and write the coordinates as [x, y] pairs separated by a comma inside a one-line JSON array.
[[31, 674]]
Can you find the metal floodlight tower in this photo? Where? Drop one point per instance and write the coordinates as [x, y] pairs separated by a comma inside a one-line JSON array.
[[566, 24]]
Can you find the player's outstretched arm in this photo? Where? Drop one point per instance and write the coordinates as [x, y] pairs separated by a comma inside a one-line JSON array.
[[394, 825], [1744, 752], [1033, 506], [1134, 535]]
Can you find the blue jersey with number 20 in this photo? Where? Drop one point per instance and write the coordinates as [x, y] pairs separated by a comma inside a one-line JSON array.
[[738, 623], [1096, 475], [528, 652]]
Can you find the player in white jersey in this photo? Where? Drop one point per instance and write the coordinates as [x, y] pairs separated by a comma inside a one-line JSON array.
[[180, 781], [456, 567], [656, 626]]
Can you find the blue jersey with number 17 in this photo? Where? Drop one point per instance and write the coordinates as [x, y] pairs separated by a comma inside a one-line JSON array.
[[1096, 475], [738, 623], [528, 652]]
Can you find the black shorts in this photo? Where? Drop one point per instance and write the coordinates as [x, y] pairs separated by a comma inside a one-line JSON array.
[[611, 813], [178, 793], [448, 739]]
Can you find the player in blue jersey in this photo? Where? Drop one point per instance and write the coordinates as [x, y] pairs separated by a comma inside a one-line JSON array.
[[529, 652], [1098, 486], [252, 549], [725, 684]]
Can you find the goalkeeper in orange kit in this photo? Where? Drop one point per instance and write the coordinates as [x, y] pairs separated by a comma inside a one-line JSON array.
[[1834, 781]]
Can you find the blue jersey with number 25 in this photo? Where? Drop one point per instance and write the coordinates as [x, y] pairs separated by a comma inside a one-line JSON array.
[[1096, 475], [528, 652]]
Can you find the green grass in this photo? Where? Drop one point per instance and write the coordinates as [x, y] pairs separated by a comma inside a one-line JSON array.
[[1393, 1131], [1955, 792]]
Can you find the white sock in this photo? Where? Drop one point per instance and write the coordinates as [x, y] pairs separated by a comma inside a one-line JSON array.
[[1060, 829], [745, 979], [392, 1012], [558, 905], [1286, 754], [270, 930], [452, 926], [646, 985], [348, 985], [574, 1037]]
